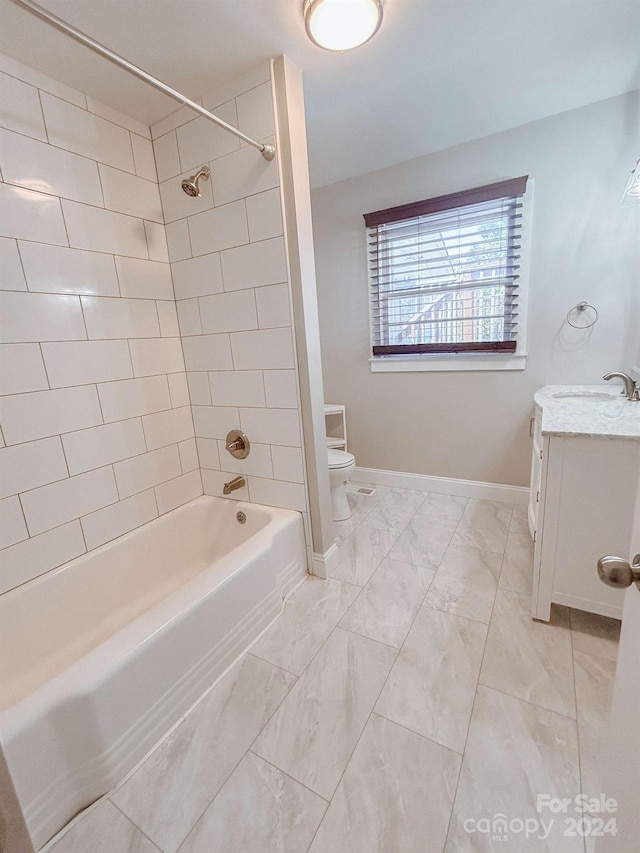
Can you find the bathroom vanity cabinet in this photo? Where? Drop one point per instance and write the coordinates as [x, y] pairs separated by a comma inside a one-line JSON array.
[[584, 475]]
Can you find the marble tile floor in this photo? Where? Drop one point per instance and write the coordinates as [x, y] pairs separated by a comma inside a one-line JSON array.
[[394, 708]]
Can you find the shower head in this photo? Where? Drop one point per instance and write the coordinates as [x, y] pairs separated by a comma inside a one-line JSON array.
[[191, 185]]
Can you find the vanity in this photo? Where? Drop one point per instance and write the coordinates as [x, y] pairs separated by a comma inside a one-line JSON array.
[[584, 475]]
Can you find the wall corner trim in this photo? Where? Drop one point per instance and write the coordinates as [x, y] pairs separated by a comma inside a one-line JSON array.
[[323, 564], [442, 485]]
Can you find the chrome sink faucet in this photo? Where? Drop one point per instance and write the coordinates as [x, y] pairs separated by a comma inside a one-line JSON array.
[[630, 388]]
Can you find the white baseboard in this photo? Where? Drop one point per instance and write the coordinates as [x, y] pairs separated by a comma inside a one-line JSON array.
[[323, 564], [442, 485]]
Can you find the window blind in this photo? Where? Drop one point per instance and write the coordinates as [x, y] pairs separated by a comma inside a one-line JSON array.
[[443, 272]]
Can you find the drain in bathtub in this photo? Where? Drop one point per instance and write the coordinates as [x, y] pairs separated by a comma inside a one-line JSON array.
[[241, 517]]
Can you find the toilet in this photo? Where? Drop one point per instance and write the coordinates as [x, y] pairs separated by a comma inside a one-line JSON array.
[[341, 468]]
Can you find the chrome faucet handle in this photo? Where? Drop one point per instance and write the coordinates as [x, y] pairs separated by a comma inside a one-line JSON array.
[[630, 389]]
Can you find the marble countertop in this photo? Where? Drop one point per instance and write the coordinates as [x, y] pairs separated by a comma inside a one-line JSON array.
[[588, 410]]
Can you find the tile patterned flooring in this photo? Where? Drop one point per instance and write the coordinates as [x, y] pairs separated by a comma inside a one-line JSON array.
[[386, 707]]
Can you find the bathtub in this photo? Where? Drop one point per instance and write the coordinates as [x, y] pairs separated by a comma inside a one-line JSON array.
[[100, 657]]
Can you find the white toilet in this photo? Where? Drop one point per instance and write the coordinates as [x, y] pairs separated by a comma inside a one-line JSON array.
[[341, 468]]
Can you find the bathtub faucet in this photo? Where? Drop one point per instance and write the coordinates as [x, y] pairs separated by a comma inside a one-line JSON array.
[[232, 485]]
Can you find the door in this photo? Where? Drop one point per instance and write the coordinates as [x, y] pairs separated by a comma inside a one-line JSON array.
[[621, 756]]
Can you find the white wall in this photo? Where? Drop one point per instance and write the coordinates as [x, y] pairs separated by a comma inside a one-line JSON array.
[[96, 428], [585, 247], [232, 288]]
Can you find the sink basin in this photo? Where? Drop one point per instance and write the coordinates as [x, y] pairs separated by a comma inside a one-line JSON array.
[[592, 396]]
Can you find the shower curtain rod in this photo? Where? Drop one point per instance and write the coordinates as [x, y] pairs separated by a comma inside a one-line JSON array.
[[268, 151]]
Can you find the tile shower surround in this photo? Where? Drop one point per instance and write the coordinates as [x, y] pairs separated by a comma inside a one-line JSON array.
[[97, 411], [231, 285]]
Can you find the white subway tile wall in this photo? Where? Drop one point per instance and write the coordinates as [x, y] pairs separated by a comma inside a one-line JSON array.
[[96, 432], [156, 240], [200, 141], [232, 293], [57, 269], [137, 325], [12, 276]]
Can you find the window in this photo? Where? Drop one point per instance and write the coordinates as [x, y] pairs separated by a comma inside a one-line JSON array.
[[445, 275]]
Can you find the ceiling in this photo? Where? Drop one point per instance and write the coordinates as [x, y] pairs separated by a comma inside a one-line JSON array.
[[439, 72]]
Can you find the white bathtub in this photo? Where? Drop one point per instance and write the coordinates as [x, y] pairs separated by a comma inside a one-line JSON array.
[[101, 656]]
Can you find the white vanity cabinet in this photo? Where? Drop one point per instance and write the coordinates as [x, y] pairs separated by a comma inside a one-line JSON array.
[[584, 475]]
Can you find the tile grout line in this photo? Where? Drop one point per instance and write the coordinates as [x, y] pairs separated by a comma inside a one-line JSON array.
[[75, 153], [288, 775], [196, 117], [594, 654], [385, 556], [453, 799], [578, 738], [126, 816], [24, 274], [46, 91], [475, 695], [322, 645], [418, 609], [373, 706], [355, 746], [181, 720], [88, 294], [277, 665], [365, 636], [248, 749], [451, 613], [527, 702], [418, 734], [44, 121]]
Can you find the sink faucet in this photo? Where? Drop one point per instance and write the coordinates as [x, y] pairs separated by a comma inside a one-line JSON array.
[[630, 387], [232, 485]]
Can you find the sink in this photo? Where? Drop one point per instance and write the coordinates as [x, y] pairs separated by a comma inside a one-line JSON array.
[[587, 396]]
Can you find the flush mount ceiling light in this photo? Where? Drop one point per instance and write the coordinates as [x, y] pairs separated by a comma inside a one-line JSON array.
[[342, 24]]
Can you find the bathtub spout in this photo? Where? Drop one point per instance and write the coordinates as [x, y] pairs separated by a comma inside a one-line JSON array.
[[232, 485]]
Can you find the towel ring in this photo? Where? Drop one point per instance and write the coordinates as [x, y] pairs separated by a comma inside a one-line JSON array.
[[580, 308]]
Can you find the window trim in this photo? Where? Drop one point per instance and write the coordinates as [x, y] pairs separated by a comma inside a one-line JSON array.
[[470, 360], [477, 195]]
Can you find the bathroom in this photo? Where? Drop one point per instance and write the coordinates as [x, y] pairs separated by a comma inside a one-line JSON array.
[[264, 583]]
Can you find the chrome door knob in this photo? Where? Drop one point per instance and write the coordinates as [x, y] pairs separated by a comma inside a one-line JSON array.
[[617, 572]]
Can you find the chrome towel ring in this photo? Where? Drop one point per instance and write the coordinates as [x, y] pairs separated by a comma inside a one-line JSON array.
[[580, 308]]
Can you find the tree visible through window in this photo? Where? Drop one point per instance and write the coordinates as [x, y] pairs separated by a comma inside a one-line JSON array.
[[444, 272]]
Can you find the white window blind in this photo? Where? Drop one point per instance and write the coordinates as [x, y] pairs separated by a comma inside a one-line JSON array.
[[443, 273]]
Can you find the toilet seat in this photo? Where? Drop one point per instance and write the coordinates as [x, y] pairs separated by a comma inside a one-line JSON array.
[[340, 459]]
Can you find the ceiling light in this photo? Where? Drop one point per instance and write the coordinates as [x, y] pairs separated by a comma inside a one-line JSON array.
[[342, 24]]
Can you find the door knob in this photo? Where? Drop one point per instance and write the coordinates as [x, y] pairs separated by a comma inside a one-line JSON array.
[[616, 572]]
